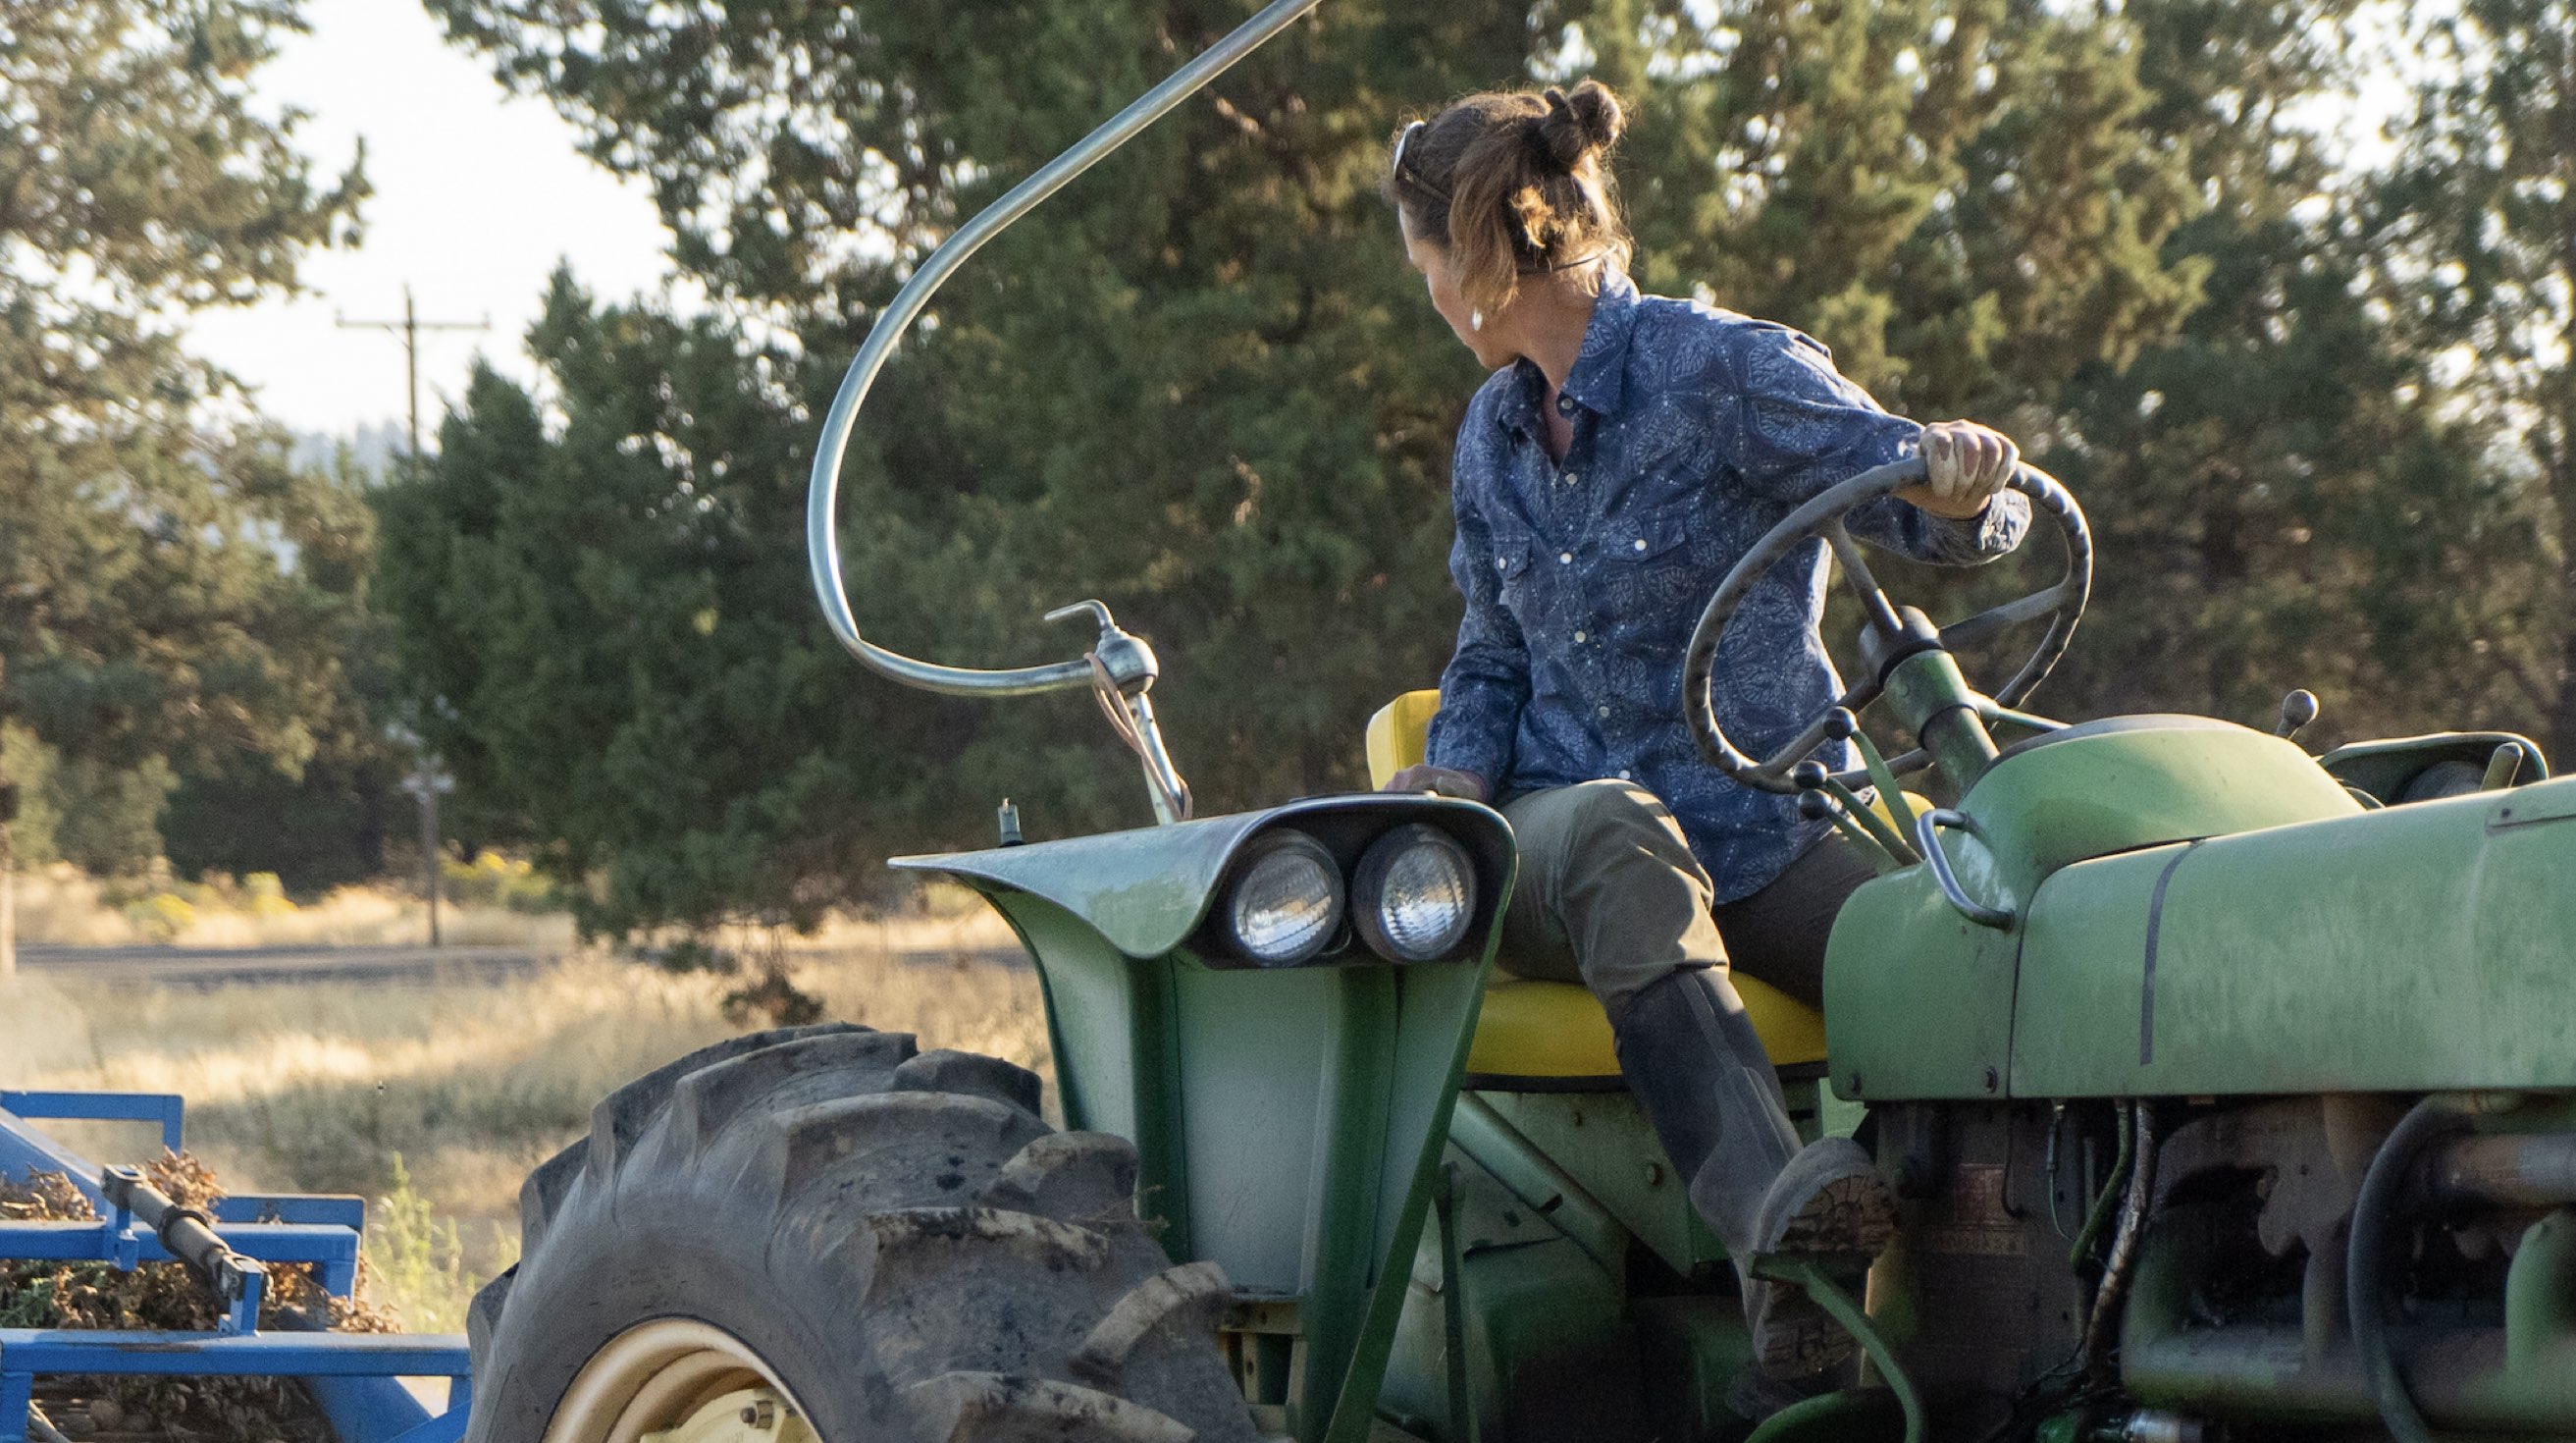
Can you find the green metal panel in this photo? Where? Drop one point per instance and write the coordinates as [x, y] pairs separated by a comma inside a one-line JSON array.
[[1918, 999], [2420, 948], [2130, 782], [2383, 768], [1145, 891], [1549, 1356], [1288, 1120], [1603, 1146]]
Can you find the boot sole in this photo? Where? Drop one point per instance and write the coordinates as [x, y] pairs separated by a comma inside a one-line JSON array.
[[1850, 1218], [1852, 1214]]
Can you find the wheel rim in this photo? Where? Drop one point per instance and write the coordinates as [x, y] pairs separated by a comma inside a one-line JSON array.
[[657, 1377]]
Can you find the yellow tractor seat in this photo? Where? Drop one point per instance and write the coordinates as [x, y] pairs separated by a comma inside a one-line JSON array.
[[1554, 1034]]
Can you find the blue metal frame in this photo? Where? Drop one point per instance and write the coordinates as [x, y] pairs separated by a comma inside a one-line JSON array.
[[354, 1376]]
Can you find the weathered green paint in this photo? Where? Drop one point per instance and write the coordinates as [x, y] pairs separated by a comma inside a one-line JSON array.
[[2540, 1292], [1557, 1347], [1548, 1352], [2383, 768], [1918, 999], [2131, 782], [2463, 1377], [1147, 890], [1693, 1347], [2417, 948], [1288, 1120], [1604, 1146], [1933, 701]]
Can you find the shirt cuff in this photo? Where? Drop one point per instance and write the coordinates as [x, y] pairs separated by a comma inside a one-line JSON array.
[[1993, 531], [1456, 749]]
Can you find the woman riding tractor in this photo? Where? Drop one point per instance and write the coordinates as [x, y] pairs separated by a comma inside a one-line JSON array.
[[1626, 453]]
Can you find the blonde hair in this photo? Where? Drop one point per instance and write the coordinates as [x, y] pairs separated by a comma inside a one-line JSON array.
[[1511, 183]]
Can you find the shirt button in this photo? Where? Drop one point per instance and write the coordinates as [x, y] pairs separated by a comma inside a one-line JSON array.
[[1641, 543], [1623, 775], [1571, 478], [1565, 405], [1500, 563], [1565, 558], [1605, 711], [1578, 638]]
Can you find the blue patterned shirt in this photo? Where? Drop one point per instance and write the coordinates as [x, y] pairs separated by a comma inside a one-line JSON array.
[[1695, 430]]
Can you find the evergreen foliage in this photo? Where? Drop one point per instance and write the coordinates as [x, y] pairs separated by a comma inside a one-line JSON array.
[[1202, 386], [172, 592]]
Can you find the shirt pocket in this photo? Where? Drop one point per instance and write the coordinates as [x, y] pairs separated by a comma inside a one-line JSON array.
[[1650, 565], [1515, 553]]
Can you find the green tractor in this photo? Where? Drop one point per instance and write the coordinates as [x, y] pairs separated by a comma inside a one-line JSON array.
[[2226, 1090]]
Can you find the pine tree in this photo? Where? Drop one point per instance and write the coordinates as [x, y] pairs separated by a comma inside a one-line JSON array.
[[1201, 386], [145, 613], [2483, 215], [2288, 492]]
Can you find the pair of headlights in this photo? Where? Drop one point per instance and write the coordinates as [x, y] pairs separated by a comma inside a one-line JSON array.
[[1411, 898]]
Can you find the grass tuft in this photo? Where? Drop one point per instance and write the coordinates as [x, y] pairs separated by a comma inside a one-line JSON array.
[[434, 1097]]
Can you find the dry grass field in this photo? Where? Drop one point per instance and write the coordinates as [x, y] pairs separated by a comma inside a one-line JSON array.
[[433, 1096]]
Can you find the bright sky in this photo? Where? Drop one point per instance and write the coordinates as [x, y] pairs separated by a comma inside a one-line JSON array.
[[478, 195]]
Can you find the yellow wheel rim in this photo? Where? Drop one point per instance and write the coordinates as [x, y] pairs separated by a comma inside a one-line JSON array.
[[675, 1380]]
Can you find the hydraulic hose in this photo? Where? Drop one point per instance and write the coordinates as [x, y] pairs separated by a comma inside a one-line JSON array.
[[2100, 1214], [2367, 1249], [2135, 1204]]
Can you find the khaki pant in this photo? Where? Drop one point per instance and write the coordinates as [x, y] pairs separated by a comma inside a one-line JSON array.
[[1610, 896]]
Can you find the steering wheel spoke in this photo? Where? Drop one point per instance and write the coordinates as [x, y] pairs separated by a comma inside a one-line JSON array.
[[1817, 733], [2000, 618], [1856, 572]]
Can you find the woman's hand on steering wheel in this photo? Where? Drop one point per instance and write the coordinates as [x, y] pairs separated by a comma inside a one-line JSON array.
[[1966, 464]]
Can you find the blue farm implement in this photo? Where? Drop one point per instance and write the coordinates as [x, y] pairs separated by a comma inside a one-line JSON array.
[[353, 1377]]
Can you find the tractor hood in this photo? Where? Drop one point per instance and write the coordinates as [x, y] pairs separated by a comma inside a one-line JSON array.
[[2421, 948], [1146, 891]]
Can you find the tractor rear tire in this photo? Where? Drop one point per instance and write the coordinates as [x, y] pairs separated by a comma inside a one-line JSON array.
[[891, 1239]]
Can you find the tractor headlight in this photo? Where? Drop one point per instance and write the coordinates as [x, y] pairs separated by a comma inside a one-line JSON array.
[[1417, 893], [1287, 904]]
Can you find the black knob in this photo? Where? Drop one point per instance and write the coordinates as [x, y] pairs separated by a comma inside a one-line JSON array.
[[1841, 725], [1809, 775], [1815, 806], [2297, 710]]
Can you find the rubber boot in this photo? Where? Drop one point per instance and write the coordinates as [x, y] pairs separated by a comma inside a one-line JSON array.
[[1698, 1071]]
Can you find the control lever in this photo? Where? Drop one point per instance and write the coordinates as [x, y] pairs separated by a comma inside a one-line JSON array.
[[1123, 670], [2297, 710], [1820, 796]]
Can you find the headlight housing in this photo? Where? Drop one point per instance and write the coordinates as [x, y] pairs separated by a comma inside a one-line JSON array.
[[1286, 903], [1416, 894]]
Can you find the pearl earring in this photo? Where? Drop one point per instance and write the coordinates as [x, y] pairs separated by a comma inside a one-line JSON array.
[[1475, 320]]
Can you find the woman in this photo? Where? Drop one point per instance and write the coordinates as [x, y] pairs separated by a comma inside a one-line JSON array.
[[1627, 451]]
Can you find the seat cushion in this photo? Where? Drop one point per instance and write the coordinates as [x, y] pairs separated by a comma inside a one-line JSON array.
[[1556, 1031]]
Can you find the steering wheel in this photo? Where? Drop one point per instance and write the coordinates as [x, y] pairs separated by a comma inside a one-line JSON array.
[[2062, 604]]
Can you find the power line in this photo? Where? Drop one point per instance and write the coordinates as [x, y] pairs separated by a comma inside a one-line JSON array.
[[408, 330]]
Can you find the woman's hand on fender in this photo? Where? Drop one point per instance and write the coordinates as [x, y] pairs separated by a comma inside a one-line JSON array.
[[1439, 780], [1968, 464]]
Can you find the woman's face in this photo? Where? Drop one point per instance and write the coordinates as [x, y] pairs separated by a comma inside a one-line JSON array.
[[1433, 262]]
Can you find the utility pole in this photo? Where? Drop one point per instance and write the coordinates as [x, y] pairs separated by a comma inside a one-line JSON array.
[[8, 854], [408, 330], [429, 783]]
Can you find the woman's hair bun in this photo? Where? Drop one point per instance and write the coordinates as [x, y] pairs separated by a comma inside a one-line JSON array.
[[1579, 124]]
